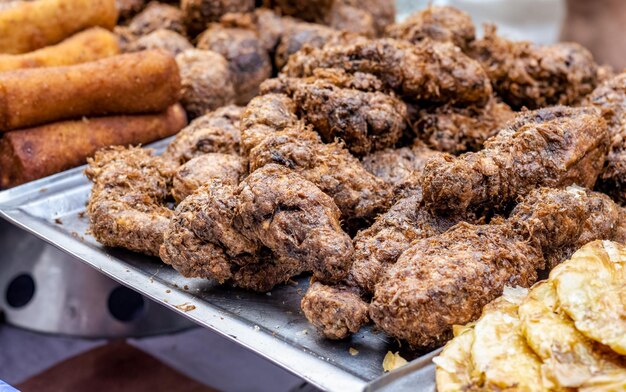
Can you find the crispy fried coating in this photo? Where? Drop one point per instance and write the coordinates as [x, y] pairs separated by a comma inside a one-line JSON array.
[[90, 45], [610, 98], [535, 76], [336, 311], [29, 26], [458, 130], [127, 203], [352, 19], [272, 134], [397, 167], [228, 168], [33, 153], [439, 23], [207, 82], [199, 13], [156, 16], [167, 40], [249, 62], [273, 226], [365, 121], [554, 147], [215, 132], [446, 279], [298, 34], [427, 71], [126, 84]]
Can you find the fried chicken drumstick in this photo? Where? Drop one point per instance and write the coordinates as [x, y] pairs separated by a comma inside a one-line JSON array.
[[553, 147], [274, 225]]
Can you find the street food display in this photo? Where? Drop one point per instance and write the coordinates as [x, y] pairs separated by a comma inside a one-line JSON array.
[[423, 177]]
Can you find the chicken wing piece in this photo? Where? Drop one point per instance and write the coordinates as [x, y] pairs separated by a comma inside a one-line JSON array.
[[272, 133], [527, 75], [273, 226], [217, 131], [439, 23], [127, 206], [249, 62], [458, 130], [553, 147], [428, 71], [365, 121], [446, 279], [610, 98], [229, 168]]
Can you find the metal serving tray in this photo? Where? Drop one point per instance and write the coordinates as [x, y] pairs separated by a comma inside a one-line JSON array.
[[270, 324]]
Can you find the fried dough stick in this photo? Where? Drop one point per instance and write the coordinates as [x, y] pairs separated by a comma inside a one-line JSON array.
[[127, 84], [32, 25], [553, 147], [89, 45], [33, 153], [446, 279]]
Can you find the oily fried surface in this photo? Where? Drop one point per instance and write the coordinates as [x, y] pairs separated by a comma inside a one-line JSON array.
[[427, 71], [127, 204], [365, 121], [229, 168], [167, 40], [157, 16], [272, 133], [610, 98], [535, 76], [555, 147], [439, 23], [217, 131], [458, 130], [337, 311], [273, 226]]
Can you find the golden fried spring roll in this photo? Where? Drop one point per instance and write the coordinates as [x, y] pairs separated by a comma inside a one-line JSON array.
[[28, 26], [142, 82], [33, 153], [89, 45]]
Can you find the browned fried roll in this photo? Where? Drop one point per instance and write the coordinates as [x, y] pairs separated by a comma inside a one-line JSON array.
[[34, 153], [32, 25], [89, 45], [143, 82]]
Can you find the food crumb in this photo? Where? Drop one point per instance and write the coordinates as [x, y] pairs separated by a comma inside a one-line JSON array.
[[257, 328], [393, 361], [58, 221], [185, 287], [168, 291], [186, 307], [353, 351], [303, 332], [81, 214]]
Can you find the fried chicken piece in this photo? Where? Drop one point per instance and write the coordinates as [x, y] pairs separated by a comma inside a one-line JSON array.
[[271, 133], [157, 16], [553, 147], [167, 40], [610, 98], [127, 204], [228, 168], [397, 166], [199, 13], [534, 76], [439, 23], [207, 82], [383, 12], [249, 62], [427, 71], [215, 132], [297, 35], [336, 311], [446, 279], [365, 121], [273, 226], [375, 250], [352, 19], [458, 130]]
